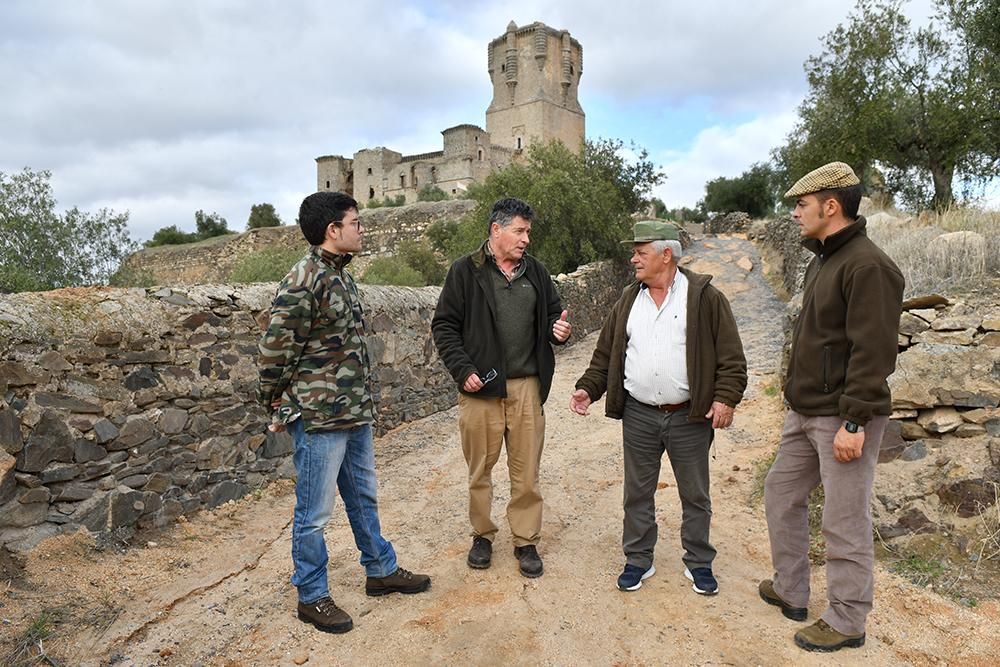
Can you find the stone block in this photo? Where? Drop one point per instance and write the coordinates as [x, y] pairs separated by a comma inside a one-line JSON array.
[[929, 375], [19, 375], [910, 325], [136, 431], [915, 451], [49, 441], [72, 492], [277, 444], [970, 430], [8, 476], [11, 440], [85, 451], [968, 497], [68, 403], [940, 420], [963, 337], [127, 506], [105, 431], [53, 361], [60, 472], [21, 515], [157, 483], [991, 339], [172, 420]]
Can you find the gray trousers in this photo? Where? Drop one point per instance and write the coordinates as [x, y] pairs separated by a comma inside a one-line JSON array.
[[805, 460], [646, 434]]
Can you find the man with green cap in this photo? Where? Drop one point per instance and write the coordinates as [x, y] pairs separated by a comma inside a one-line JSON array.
[[670, 359], [843, 349]]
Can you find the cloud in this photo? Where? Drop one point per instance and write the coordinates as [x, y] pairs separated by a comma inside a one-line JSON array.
[[719, 151]]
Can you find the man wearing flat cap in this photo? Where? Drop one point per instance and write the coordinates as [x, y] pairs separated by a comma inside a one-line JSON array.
[[670, 359], [843, 349]]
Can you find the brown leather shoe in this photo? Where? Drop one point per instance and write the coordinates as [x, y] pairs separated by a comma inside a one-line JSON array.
[[822, 638], [326, 616], [767, 594], [400, 581]]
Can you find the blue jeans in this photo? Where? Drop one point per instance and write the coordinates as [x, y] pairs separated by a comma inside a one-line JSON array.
[[324, 462]]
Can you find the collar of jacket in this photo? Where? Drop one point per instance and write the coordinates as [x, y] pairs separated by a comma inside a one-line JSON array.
[[483, 256], [337, 261], [835, 242]]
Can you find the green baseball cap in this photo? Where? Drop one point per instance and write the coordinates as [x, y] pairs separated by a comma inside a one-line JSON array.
[[645, 231]]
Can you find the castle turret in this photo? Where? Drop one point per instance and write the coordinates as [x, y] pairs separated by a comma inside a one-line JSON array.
[[535, 72]]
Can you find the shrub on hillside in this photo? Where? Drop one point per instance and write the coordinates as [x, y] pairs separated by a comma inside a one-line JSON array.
[[265, 266], [392, 271], [420, 257], [431, 193]]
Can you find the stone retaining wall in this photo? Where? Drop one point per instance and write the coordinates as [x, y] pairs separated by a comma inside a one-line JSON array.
[[122, 407], [213, 260]]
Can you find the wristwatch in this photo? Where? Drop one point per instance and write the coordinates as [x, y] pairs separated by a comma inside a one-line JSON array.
[[852, 427]]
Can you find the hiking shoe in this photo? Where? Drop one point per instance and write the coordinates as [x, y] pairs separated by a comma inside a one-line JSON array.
[[480, 553], [632, 577], [822, 638], [528, 560], [704, 582], [400, 581], [768, 595], [325, 616]]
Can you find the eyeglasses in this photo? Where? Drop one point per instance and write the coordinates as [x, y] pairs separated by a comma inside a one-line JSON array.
[[354, 223], [490, 376]]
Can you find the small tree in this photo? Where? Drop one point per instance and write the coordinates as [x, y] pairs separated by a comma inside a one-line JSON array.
[[209, 225], [40, 249], [263, 215], [755, 192], [419, 256], [170, 235]]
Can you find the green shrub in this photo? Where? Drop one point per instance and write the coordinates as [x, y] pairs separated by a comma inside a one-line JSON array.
[[420, 257], [392, 271], [431, 193], [398, 200], [265, 266]]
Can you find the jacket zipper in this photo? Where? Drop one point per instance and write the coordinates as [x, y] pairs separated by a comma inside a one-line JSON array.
[[826, 363]]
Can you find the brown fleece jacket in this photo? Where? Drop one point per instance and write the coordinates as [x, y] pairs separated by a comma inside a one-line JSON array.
[[845, 339], [716, 367]]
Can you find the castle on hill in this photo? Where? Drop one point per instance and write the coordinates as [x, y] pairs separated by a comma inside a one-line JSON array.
[[535, 71]]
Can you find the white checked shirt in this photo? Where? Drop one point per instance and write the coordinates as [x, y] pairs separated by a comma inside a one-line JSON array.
[[656, 352]]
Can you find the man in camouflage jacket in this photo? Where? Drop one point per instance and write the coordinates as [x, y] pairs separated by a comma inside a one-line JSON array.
[[315, 379]]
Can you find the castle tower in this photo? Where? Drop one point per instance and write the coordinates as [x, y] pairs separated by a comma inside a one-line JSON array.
[[535, 72]]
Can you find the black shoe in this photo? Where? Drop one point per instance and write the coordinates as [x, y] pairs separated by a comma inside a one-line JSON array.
[[326, 616], [480, 553], [768, 595], [528, 560], [400, 581], [704, 582]]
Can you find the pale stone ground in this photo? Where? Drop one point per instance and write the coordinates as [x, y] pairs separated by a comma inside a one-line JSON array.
[[214, 590]]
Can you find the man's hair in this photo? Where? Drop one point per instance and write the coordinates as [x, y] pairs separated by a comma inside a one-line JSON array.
[[319, 209], [676, 251], [508, 208], [849, 199]]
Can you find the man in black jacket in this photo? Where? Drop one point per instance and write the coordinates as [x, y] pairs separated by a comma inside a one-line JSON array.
[[494, 326], [843, 349]]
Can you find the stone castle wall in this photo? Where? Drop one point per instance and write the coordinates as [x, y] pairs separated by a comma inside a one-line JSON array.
[[128, 407], [213, 261]]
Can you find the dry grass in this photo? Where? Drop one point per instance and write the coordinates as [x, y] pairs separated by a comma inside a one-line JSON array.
[[931, 265]]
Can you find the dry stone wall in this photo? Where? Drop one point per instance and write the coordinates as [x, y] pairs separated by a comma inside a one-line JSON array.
[[128, 407], [213, 260]]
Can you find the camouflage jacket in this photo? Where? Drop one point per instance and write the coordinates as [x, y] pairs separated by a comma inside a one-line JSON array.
[[312, 356]]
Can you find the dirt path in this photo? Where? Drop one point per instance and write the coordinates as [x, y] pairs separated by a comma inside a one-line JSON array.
[[214, 590]]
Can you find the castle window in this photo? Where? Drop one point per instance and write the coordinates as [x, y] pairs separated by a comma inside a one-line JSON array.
[[453, 191], [519, 143], [503, 68], [414, 180], [369, 171], [477, 138], [480, 158], [371, 193], [328, 185], [402, 180], [571, 69]]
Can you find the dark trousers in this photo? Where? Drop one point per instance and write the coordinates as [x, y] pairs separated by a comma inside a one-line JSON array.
[[646, 434]]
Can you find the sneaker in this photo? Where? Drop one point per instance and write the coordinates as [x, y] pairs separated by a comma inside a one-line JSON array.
[[632, 577], [768, 595], [325, 616], [480, 553], [704, 582], [400, 581], [528, 560], [822, 638]]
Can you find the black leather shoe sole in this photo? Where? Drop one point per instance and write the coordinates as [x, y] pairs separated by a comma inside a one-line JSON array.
[[530, 574], [337, 629], [854, 642], [478, 564], [793, 613]]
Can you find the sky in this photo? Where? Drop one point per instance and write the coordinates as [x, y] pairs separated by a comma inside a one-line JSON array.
[[163, 108]]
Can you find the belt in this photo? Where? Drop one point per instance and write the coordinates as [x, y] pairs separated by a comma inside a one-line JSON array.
[[671, 407]]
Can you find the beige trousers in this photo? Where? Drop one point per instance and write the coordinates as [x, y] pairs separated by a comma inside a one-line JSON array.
[[805, 460], [484, 425]]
